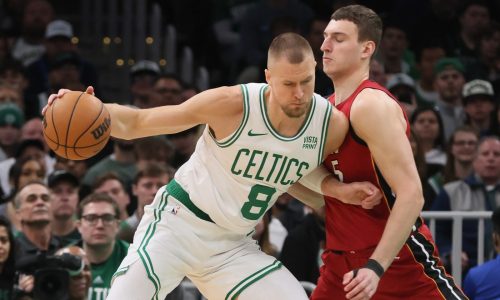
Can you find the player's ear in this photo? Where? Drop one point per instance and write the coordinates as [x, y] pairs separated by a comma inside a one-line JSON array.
[[368, 49], [267, 73]]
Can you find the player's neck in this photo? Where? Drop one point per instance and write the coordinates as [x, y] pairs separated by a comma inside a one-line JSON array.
[[283, 124], [346, 84]]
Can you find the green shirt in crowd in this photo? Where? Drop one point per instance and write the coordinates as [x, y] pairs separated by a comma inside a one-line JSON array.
[[102, 273]]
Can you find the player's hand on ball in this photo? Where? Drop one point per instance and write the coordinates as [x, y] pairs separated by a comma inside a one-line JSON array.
[[360, 286], [60, 94]]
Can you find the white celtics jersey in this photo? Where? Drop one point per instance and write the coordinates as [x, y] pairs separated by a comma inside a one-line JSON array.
[[237, 179]]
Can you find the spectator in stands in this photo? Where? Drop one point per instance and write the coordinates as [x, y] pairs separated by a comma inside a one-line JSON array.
[[428, 128], [37, 14], [479, 191], [286, 213], [184, 144], [256, 28], [393, 45], [377, 72], [402, 86], [481, 283], [474, 19], [188, 91], [449, 81], [110, 184], [11, 120], [426, 56], [485, 64], [261, 235], [143, 75], [63, 72], [22, 172], [303, 246], [147, 182], [79, 284], [460, 153], [64, 194], [419, 157], [121, 162], [479, 106], [58, 40], [9, 94], [5, 46], [7, 260], [29, 148], [314, 35], [98, 221], [76, 167], [169, 88], [157, 150], [33, 205], [13, 74]]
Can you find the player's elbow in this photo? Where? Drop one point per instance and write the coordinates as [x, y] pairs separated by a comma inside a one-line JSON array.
[[413, 196], [417, 197]]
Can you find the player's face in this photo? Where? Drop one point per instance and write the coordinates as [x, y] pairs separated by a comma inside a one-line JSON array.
[[98, 232], [292, 85], [146, 188], [342, 52]]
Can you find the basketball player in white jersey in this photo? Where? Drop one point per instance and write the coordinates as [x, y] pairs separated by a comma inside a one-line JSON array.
[[259, 140]]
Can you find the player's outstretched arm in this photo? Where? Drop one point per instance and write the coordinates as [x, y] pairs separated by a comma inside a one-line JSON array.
[[220, 108], [321, 182], [379, 121]]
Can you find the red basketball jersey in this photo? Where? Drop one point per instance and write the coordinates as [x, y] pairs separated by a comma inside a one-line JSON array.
[[350, 227]]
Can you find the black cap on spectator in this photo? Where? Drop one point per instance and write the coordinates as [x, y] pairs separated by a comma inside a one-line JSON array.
[[62, 176], [28, 143]]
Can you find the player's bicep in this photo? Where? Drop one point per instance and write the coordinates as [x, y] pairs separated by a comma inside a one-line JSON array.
[[207, 107], [381, 124], [337, 130]]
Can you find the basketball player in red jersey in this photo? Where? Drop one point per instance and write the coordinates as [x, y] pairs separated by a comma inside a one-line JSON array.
[[386, 252]]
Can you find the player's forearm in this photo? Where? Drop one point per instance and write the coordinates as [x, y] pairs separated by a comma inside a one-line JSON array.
[[122, 121], [332, 187], [403, 216], [306, 196]]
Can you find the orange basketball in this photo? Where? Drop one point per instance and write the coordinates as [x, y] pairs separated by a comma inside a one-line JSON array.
[[77, 126]]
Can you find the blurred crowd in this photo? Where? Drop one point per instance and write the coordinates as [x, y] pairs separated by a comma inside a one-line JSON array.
[[441, 59]]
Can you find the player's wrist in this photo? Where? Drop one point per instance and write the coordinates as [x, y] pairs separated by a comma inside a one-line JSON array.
[[375, 266]]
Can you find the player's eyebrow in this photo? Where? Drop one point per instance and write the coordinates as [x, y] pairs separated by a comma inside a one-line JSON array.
[[335, 33]]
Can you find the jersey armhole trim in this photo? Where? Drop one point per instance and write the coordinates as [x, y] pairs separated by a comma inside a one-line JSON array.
[[246, 108], [324, 131]]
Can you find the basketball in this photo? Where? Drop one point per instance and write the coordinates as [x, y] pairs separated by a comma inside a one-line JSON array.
[[77, 126]]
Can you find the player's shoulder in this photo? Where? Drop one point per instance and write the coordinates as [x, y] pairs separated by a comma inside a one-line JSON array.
[[371, 100]]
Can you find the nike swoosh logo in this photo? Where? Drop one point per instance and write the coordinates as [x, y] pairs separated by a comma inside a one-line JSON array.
[[250, 133]]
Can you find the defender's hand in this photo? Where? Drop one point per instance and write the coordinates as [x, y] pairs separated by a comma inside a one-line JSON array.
[[361, 193], [361, 286], [60, 93]]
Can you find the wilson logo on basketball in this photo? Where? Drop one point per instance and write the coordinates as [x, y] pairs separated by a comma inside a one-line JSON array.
[[99, 131]]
